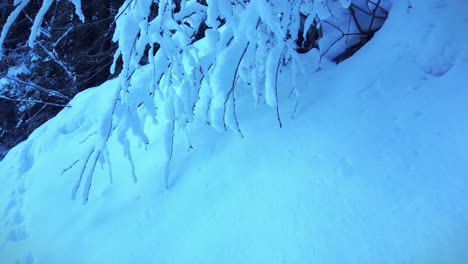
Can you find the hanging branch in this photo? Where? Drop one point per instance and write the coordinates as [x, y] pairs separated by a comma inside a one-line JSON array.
[[276, 92], [70, 167], [233, 85], [234, 110], [83, 169], [207, 114], [99, 152], [169, 160], [234, 80], [89, 181]]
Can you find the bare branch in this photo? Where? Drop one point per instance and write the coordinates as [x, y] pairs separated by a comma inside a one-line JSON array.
[[89, 181], [276, 93], [37, 87], [33, 101], [373, 18], [70, 167], [83, 169]]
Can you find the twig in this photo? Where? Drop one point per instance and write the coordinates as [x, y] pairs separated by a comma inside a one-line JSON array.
[[70, 167], [117, 17], [369, 13], [90, 179], [349, 26], [171, 150], [234, 111], [360, 9], [328, 49], [83, 169], [51, 92], [62, 37], [373, 18], [35, 114], [353, 15], [276, 93], [377, 5], [293, 114], [33, 101], [57, 60], [208, 111], [233, 87], [90, 135]]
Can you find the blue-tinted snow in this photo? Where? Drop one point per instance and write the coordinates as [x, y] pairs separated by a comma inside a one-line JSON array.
[[372, 169]]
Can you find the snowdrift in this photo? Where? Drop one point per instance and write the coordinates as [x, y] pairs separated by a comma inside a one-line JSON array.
[[373, 168]]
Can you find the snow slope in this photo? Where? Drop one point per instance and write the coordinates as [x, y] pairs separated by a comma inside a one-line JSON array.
[[372, 169]]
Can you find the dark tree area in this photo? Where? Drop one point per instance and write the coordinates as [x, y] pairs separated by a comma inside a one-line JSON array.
[[69, 56]]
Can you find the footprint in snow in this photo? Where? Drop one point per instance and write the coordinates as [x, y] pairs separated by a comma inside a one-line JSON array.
[[438, 66], [13, 217], [27, 259]]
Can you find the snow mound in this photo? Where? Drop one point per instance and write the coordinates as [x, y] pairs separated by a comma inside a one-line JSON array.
[[372, 169]]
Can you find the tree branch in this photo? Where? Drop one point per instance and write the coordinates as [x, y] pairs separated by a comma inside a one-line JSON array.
[[33, 101]]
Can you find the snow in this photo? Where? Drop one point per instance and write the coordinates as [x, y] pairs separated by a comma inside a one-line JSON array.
[[78, 10], [273, 63], [35, 29], [372, 169], [345, 3], [19, 6]]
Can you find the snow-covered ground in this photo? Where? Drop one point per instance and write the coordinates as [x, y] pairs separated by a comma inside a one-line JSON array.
[[372, 169]]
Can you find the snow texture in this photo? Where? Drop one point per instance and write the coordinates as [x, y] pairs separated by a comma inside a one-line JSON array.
[[38, 21], [78, 10], [372, 169], [20, 5]]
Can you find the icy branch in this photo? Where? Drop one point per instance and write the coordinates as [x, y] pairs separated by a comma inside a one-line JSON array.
[[11, 18]]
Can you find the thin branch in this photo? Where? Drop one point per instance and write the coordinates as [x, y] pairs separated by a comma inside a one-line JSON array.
[[89, 181], [117, 17], [328, 49], [70, 167], [293, 114], [337, 28], [349, 26], [369, 13], [377, 5], [234, 111], [33, 101], [83, 169], [208, 111], [276, 93], [360, 9], [49, 91], [169, 161], [233, 86], [356, 21], [62, 37], [373, 18], [56, 60], [90, 135], [35, 114]]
